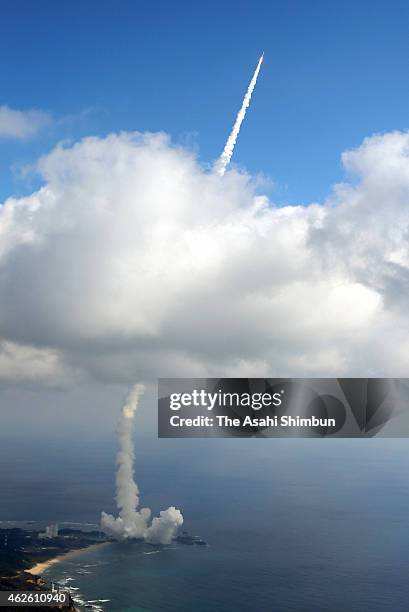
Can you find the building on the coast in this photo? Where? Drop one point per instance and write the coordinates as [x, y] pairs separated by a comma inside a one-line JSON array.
[[51, 531]]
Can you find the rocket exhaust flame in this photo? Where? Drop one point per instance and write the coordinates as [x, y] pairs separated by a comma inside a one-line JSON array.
[[225, 157], [132, 523]]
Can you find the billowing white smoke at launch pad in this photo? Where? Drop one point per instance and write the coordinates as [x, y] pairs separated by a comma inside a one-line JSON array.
[[131, 522]]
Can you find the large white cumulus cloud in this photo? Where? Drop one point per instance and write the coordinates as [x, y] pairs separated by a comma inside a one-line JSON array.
[[133, 261]]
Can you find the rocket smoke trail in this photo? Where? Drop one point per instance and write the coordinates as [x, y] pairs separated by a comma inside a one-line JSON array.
[[132, 523], [225, 157]]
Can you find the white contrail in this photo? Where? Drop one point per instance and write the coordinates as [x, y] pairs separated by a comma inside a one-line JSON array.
[[131, 522], [127, 493], [225, 157]]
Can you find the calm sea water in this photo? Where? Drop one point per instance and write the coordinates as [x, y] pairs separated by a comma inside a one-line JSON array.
[[304, 526]]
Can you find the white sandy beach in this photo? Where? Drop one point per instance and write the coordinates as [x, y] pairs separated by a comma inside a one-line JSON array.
[[39, 568]]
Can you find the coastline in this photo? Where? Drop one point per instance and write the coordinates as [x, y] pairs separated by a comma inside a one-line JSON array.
[[39, 568]]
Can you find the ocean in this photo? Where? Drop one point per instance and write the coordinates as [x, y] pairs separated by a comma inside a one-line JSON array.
[[291, 525]]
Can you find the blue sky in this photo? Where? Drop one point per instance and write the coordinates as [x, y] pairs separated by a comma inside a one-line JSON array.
[[334, 73]]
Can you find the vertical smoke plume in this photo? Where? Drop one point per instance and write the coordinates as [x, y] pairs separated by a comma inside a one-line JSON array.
[[225, 157], [131, 522]]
